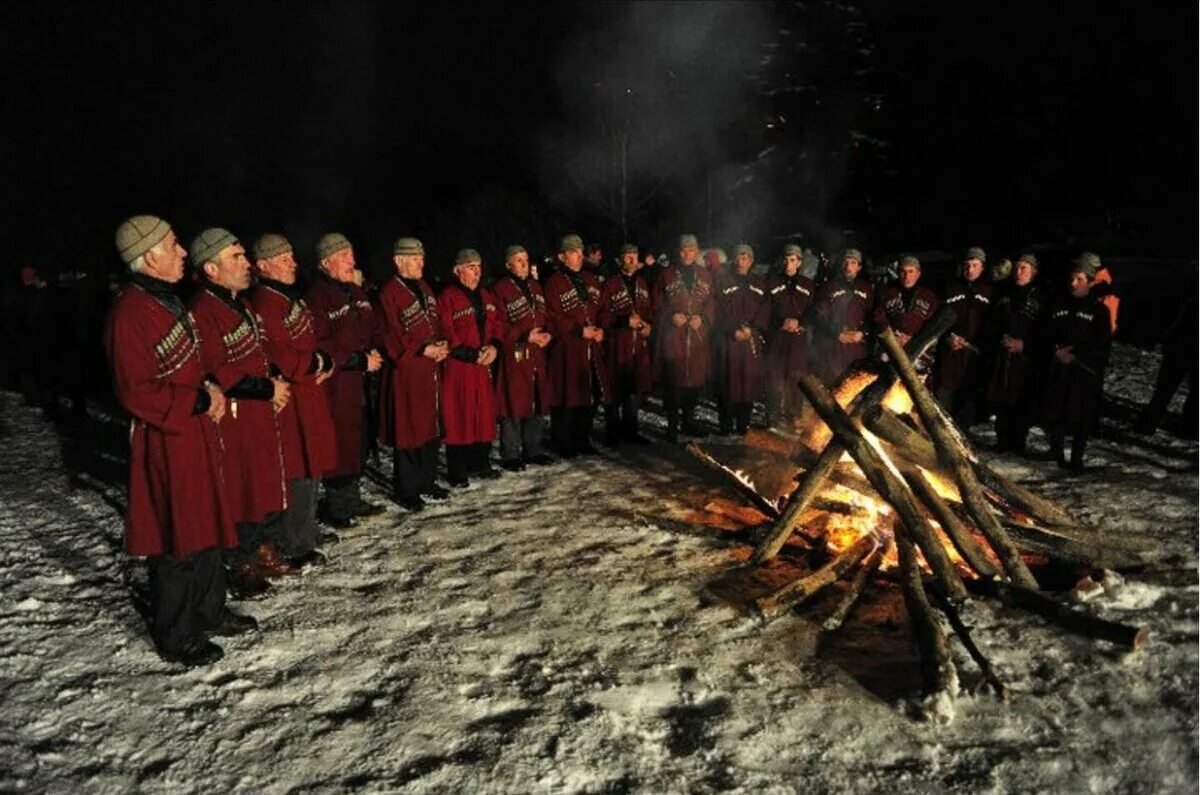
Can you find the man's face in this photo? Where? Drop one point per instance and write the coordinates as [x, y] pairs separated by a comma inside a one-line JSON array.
[[629, 261], [572, 258], [972, 269], [340, 265], [850, 268], [518, 265], [280, 268], [231, 269], [165, 261], [1024, 273], [744, 263], [791, 264], [468, 274], [595, 257], [688, 255], [1080, 284], [909, 274], [409, 266]]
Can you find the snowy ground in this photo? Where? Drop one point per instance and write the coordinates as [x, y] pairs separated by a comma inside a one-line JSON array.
[[545, 634]]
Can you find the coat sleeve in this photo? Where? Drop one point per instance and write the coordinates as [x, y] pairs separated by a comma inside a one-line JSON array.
[[396, 342], [562, 324], [156, 401], [213, 357], [295, 366]]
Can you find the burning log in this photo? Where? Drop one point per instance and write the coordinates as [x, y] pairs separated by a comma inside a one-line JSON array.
[[850, 596], [889, 485], [804, 588], [971, 550], [964, 475], [745, 488], [1124, 635], [937, 667], [869, 398]]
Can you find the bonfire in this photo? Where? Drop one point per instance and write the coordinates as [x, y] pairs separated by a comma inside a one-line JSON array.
[[889, 490]]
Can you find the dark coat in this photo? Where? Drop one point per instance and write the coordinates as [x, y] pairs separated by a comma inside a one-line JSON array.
[[574, 361], [739, 300], [841, 306], [683, 352], [1073, 390], [410, 393], [523, 386], [1020, 313], [468, 413], [972, 304], [627, 350]]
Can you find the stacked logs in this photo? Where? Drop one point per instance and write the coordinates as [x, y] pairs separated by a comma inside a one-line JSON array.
[[895, 458]]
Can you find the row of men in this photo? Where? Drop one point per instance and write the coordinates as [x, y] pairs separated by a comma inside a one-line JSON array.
[[248, 396]]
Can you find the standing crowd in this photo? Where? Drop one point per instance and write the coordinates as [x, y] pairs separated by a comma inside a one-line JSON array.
[[254, 405]]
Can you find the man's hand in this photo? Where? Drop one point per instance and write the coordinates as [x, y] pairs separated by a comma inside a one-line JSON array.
[[487, 355], [539, 337], [791, 325], [695, 322], [956, 342], [281, 394], [679, 319], [850, 337], [374, 360], [635, 320], [325, 376], [742, 334], [1012, 345], [644, 330], [436, 350], [1064, 354], [903, 338], [216, 402], [597, 334]]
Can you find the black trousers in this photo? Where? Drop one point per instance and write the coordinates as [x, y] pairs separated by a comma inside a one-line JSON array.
[[298, 525], [679, 401], [414, 470], [521, 438], [252, 535], [186, 597], [1079, 439], [621, 417], [570, 429], [341, 496], [1012, 428], [1177, 365], [464, 460]]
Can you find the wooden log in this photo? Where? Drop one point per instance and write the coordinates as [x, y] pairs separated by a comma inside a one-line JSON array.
[[760, 502], [964, 635], [957, 463], [890, 486], [962, 538], [800, 590], [1124, 635], [870, 397], [937, 667], [850, 596]]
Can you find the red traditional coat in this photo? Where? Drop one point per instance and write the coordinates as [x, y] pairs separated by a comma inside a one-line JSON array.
[[345, 326], [409, 399], [290, 341], [841, 306], [683, 352], [905, 311], [573, 360], [231, 348], [523, 377], [177, 503], [627, 350], [787, 297], [738, 302], [468, 415], [972, 304]]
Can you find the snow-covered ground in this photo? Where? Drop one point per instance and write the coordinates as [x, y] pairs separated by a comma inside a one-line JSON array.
[[545, 633]]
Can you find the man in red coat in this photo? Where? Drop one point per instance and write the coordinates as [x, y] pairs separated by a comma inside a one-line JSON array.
[[784, 318], [905, 307], [624, 315], [414, 348], [523, 394], [231, 351], [683, 298], [739, 300], [842, 311], [305, 425], [577, 353], [471, 327], [345, 325], [177, 516]]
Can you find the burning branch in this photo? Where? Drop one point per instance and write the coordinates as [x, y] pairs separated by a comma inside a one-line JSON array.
[[801, 590]]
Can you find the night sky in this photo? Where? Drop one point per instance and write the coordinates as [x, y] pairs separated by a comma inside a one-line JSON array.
[[1048, 123]]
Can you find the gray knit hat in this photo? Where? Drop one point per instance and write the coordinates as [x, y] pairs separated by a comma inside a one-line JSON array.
[[139, 234], [466, 255], [1001, 269], [975, 252], [408, 247], [1030, 258], [792, 249], [1087, 264], [271, 245], [628, 248], [688, 241], [909, 259], [331, 243], [743, 248], [514, 250], [853, 253], [209, 243], [571, 242]]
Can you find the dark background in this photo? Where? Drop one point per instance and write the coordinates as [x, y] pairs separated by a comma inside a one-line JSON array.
[[894, 126]]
